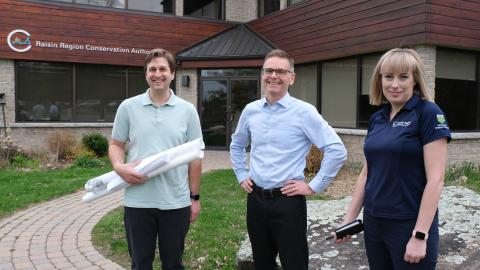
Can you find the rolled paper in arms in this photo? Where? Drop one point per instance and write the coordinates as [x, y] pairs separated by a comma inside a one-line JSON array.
[[151, 166]]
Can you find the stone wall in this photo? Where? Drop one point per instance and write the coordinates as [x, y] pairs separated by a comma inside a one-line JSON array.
[[179, 8], [35, 138], [7, 87], [241, 11], [189, 93], [429, 55], [353, 141], [464, 147]]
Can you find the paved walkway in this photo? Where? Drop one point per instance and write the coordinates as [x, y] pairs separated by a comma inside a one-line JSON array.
[[57, 234]]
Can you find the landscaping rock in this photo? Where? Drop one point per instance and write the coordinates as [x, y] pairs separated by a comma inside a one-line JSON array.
[[459, 235]]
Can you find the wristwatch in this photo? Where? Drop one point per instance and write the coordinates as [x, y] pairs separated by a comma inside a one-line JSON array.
[[420, 235], [195, 197]]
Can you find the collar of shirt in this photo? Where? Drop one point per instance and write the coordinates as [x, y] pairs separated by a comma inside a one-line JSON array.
[[146, 100], [284, 101], [411, 104]]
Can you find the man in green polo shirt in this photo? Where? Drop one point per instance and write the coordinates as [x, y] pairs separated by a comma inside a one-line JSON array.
[[161, 207]]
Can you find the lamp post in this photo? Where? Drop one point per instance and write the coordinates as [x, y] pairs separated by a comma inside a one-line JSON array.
[[2, 104]]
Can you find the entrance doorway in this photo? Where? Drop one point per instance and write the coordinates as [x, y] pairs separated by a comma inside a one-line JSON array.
[[223, 95]]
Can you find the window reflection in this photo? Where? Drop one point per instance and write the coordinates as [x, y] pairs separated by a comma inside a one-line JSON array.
[[98, 92], [103, 3], [292, 2], [163, 6]]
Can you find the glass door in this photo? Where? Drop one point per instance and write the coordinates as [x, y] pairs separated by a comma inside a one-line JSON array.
[[243, 91], [223, 100], [214, 112]]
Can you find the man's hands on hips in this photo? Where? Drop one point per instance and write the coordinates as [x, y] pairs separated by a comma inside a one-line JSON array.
[[128, 173], [247, 185], [297, 187], [195, 209]]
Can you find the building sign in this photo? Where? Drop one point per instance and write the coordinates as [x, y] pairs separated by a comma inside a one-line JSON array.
[[19, 41]]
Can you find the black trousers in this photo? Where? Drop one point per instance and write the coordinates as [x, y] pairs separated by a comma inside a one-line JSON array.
[[278, 226], [144, 226]]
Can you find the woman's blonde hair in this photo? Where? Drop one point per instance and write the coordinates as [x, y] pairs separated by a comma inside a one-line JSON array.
[[398, 61]]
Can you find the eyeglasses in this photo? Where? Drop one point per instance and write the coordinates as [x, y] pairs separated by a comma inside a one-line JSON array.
[[279, 71]]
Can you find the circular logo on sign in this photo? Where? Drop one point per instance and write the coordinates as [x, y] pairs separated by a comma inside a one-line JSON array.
[[19, 40]]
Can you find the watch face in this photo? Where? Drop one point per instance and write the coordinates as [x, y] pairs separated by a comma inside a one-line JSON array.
[[419, 235]]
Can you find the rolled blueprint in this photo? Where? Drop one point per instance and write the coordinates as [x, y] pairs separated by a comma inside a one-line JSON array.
[[151, 166]]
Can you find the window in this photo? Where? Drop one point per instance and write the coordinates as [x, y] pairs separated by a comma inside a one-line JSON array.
[[305, 86], [457, 89], [43, 91], [292, 2], [266, 7], [212, 9], [47, 92], [339, 92], [99, 91], [102, 3], [345, 87], [163, 6], [365, 110], [160, 6]]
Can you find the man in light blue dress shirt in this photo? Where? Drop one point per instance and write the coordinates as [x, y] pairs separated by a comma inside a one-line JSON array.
[[281, 129]]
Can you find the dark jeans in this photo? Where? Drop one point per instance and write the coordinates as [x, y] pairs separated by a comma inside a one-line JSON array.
[[144, 226], [278, 226], [386, 241]]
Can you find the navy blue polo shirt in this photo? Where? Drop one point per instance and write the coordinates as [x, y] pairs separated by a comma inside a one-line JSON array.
[[394, 152]]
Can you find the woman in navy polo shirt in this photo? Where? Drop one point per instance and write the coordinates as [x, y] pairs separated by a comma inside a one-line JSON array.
[[405, 159]]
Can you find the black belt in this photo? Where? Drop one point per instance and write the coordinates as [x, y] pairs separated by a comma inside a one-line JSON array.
[[266, 193]]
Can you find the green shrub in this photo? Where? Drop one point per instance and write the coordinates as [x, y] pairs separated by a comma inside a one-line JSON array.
[[96, 142], [86, 161], [22, 161]]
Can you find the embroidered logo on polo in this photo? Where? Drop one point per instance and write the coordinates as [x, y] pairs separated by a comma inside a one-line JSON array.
[[441, 122], [401, 124]]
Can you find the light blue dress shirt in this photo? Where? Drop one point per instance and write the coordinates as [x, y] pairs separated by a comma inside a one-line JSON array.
[[280, 135]]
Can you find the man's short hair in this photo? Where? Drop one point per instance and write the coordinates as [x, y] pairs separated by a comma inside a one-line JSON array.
[[280, 54], [159, 52]]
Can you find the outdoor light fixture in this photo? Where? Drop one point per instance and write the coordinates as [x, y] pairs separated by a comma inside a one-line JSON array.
[[185, 80]]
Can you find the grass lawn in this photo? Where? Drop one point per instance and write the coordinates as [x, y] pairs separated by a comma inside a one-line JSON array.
[[20, 189], [213, 239]]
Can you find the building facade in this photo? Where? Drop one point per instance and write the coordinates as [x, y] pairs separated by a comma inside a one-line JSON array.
[[66, 65]]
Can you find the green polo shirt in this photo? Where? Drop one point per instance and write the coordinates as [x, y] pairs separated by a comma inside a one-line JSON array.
[[150, 129]]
